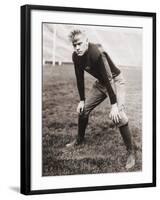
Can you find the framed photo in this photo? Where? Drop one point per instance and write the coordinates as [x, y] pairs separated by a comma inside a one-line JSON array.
[[78, 60]]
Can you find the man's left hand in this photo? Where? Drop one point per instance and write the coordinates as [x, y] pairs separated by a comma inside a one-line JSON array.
[[114, 114]]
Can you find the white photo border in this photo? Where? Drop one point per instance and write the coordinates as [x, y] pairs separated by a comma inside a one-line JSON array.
[[37, 181]]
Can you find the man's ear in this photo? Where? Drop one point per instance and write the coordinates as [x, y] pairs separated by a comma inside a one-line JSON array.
[[87, 41]]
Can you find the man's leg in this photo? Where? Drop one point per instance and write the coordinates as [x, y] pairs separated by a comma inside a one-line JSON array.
[[127, 138], [95, 98], [123, 125], [82, 125], [126, 135]]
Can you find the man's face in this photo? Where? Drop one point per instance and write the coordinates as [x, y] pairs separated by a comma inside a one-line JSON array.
[[80, 44]]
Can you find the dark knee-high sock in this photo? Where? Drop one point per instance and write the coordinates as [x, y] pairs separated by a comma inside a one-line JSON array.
[[82, 124], [126, 135]]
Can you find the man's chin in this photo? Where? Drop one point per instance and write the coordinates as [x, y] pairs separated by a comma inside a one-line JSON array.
[[80, 54]]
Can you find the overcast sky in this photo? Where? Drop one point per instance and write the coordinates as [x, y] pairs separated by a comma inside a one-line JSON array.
[[124, 45]]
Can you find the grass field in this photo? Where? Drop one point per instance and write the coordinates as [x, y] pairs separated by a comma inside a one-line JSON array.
[[103, 151]]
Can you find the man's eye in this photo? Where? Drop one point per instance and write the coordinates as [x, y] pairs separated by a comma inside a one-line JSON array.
[[77, 44]]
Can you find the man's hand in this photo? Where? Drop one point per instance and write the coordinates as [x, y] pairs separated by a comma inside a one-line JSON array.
[[114, 114], [80, 107]]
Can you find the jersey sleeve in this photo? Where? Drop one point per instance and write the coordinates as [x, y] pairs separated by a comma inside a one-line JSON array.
[[105, 79], [79, 72]]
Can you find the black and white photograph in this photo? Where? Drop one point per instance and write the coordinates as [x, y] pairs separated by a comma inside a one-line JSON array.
[[88, 92], [98, 69]]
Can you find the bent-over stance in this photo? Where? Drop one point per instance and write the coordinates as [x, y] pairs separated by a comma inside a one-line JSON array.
[[109, 83]]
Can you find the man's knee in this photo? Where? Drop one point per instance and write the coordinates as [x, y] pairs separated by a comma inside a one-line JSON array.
[[84, 114], [124, 119]]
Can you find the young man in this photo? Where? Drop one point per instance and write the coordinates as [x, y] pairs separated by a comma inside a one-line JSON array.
[[110, 83]]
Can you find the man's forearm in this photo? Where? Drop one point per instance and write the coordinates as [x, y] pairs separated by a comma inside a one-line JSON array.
[[80, 81], [81, 91], [106, 82]]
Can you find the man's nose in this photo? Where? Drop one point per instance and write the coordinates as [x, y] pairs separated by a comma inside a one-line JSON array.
[[77, 47]]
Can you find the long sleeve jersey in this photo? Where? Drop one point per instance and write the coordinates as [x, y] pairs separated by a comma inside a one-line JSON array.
[[99, 65]]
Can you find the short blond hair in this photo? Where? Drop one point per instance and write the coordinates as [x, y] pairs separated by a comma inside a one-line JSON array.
[[74, 33]]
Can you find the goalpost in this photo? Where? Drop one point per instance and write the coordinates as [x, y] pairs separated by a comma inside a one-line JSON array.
[[54, 44]]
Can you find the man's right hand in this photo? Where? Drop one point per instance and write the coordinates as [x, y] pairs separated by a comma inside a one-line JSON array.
[[80, 107]]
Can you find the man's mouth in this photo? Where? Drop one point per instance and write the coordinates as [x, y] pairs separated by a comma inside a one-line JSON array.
[[79, 52]]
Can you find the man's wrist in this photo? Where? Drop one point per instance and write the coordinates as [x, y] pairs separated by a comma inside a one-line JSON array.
[[114, 105]]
